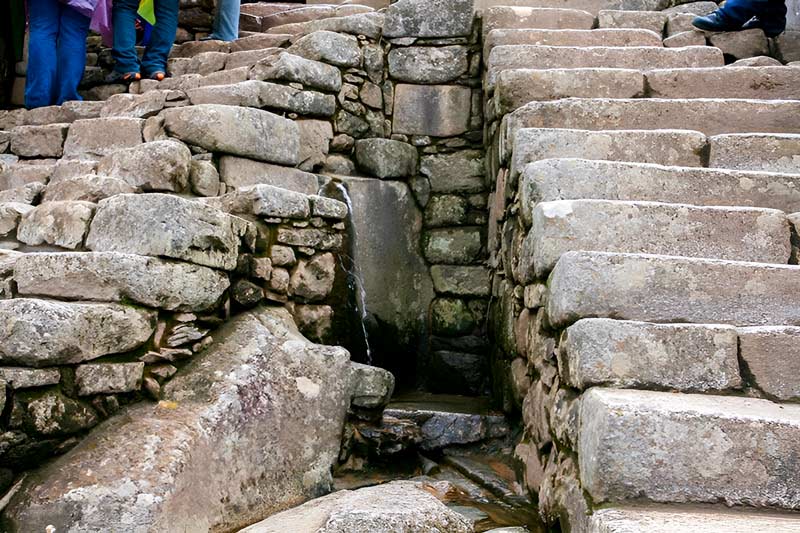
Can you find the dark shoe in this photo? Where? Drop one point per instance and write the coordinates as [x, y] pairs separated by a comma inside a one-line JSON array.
[[770, 30], [158, 75], [714, 22], [119, 77]]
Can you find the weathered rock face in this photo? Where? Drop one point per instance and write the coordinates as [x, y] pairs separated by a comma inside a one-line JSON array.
[[261, 408], [76, 332], [156, 166], [371, 387], [385, 158], [429, 18], [397, 507], [163, 225], [236, 130]]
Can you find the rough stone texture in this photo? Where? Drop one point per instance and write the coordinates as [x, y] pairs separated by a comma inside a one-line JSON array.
[[428, 18], [707, 115], [597, 37], [366, 24], [265, 201], [24, 378], [741, 44], [772, 358], [391, 259], [385, 158], [261, 407], [98, 137], [758, 61], [371, 387], [648, 20], [525, 17], [770, 153], [10, 214], [115, 277], [54, 414], [329, 47], [685, 38], [436, 110], [459, 172], [77, 332], [108, 378], [672, 289], [769, 83], [572, 179], [643, 355], [315, 141], [734, 233], [663, 147], [686, 519], [236, 130], [39, 141], [451, 317], [427, 64], [633, 57], [168, 226], [461, 280], [89, 188], [515, 88], [238, 172], [63, 224], [312, 280], [455, 246], [292, 68], [204, 178], [154, 166], [704, 448], [396, 507]]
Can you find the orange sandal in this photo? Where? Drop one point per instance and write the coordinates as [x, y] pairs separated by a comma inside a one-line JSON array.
[[159, 75]]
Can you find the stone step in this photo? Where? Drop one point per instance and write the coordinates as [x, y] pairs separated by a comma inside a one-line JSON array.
[[509, 17], [733, 233], [593, 6], [629, 354], [599, 37], [670, 447], [711, 116], [691, 519], [658, 288], [635, 57], [663, 147], [768, 83], [573, 179], [768, 152], [515, 88], [772, 356]]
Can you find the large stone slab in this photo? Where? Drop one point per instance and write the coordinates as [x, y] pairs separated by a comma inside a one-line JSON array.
[[572, 179], [329, 47], [428, 64], [655, 288], [767, 83], [409, 505], [153, 166], [75, 331], [511, 16], [292, 68], [239, 131], [515, 88], [61, 224], [634, 57], [255, 93], [388, 227], [161, 225], [688, 448], [436, 110], [770, 153], [458, 172], [116, 277], [689, 519], [597, 37], [251, 427], [239, 172], [626, 354], [93, 138], [734, 233], [428, 18], [663, 147], [772, 358], [708, 115]]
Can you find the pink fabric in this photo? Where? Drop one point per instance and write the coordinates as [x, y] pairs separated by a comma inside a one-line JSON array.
[[101, 21], [84, 7]]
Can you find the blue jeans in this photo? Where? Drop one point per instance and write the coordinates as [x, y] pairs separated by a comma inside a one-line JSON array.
[[226, 21], [771, 13], [161, 39], [56, 53]]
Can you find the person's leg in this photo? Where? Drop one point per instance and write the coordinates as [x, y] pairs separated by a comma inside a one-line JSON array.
[[226, 20], [124, 51], [42, 68], [71, 54], [162, 38]]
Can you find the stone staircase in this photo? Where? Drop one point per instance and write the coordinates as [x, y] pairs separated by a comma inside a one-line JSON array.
[[643, 236]]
